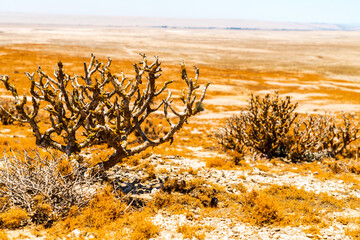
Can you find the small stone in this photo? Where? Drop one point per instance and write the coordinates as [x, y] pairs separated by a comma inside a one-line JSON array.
[[214, 202], [75, 233], [154, 190]]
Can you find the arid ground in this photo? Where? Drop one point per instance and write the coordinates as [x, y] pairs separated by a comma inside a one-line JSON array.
[[320, 70]]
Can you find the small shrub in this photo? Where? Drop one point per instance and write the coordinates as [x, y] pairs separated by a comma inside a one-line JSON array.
[[103, 209], [143, 228], [321, 136], [14, 218], [261, 209], [271, 127], [179, 194], [190, 231], [263, 167], [43, 186], [263, 126], [218, 162]]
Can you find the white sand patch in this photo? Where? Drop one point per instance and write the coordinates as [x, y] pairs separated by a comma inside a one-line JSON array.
[[244, 81], [221, 88], [304, 96], [345, 77], [334, 86], [280, 78], [12, 97], [213, 115], [301, 86], [225, 101], [345, 84]]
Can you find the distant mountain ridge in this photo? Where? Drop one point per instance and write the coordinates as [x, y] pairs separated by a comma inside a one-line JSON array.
[[117, 21]]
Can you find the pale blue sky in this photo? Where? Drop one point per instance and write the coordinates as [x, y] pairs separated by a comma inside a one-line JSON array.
[[320, 11]]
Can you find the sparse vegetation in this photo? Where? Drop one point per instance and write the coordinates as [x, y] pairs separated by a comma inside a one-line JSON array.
[[261, 209], [46, 188], [14, 218], [271, 127]]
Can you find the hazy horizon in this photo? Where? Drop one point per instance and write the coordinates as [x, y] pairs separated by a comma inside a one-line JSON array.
[[305, 11], [162, 22]]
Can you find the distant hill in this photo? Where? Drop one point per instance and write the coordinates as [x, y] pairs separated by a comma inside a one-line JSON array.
[[116, 21]]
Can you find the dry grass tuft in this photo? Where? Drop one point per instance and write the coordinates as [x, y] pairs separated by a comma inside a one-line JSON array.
[[3, 235], [14, 218], [261, 209], [354, 233], [219, 163], [191, 231], [143, 228]]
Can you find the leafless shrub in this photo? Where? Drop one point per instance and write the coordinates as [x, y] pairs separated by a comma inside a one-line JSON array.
[[104, 108], [336, 137], [231, 136], [45, 187], [270, 126], [321, 136], [263, 126]]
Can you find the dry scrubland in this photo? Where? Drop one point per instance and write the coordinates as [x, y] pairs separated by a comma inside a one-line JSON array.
[[258, 198]]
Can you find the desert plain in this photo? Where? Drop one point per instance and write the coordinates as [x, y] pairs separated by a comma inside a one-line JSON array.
[[319, 69]]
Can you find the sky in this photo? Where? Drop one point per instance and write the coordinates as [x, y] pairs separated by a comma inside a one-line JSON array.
[[312, 11]]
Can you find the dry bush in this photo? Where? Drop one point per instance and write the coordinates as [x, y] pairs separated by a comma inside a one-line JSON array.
[[288, 206], [143, 228], [103, 209], [191, 231], [262, 209], [342, 166], [263, 126], [218, 162], [316, 137], [231, 136], [42, 187], [101, 108], [107, 216], [271, 127], [14, 218], [301, 207]]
